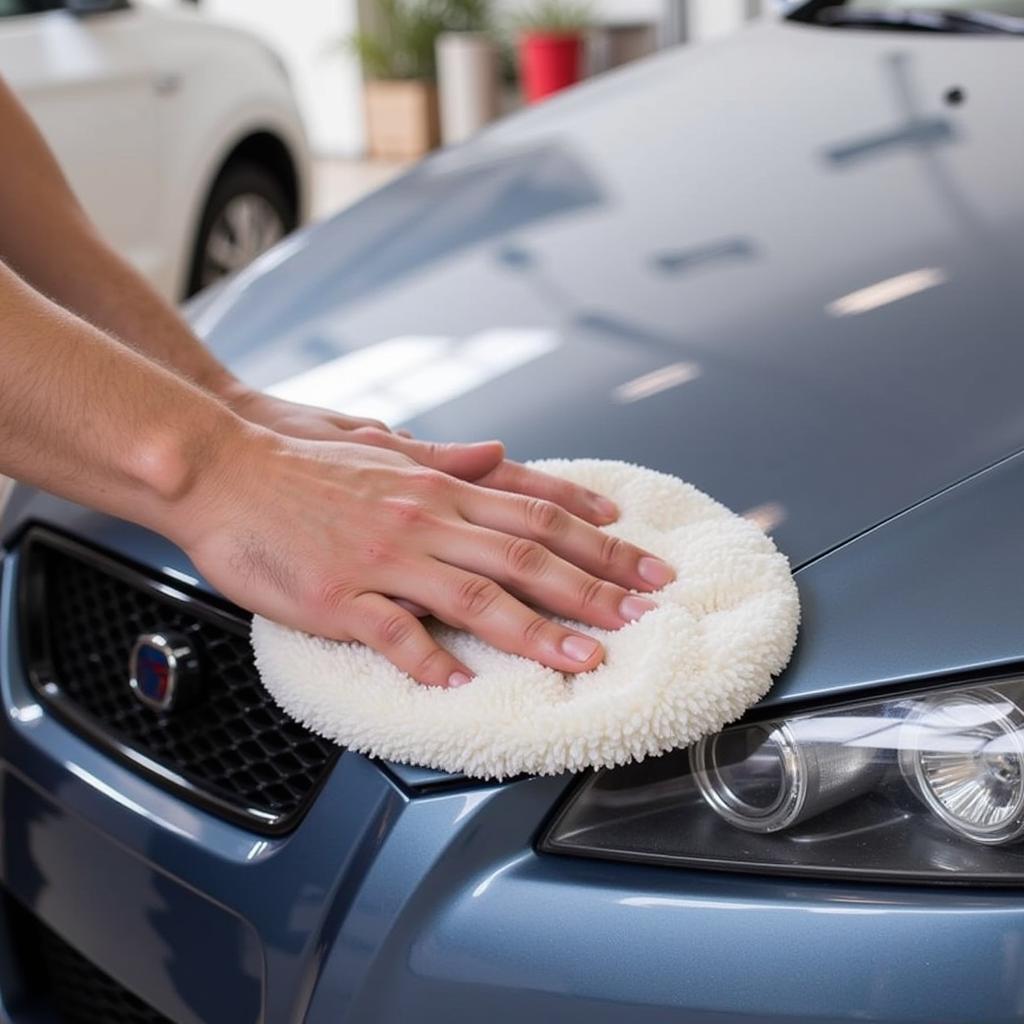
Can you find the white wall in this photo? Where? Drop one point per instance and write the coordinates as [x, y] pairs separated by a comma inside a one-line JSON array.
[[326, 79], [711, 19]]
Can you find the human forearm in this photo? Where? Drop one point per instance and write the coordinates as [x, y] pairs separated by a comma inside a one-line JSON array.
[[82, 272], [84, 417]]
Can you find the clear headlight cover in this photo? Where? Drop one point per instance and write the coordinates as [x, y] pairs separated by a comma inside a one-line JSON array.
[[926, 786]]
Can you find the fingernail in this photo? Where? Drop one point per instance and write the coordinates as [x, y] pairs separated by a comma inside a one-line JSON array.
[[655, 571], [604, 507], [580, 648], [458, 679], [633, 607]]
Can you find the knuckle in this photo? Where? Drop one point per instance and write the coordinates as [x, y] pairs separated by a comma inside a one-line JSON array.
[[544, 518], [334, 594], [612, 550], [408, 511], [426, 481], [433, 663], [476, 596], [534, 629], [591, 592], [525, 557], [392, 630]]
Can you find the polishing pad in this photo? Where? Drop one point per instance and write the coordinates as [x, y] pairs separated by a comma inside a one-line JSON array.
[[722, 629]]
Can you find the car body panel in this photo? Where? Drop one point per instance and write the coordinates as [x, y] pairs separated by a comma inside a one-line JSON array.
[[385, 908], [139, 112]]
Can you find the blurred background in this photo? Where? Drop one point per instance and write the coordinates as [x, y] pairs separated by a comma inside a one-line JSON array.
[[328, 79], [147, 101]]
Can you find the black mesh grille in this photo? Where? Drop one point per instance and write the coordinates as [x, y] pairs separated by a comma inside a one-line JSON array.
[[68, 985], [233, 749]]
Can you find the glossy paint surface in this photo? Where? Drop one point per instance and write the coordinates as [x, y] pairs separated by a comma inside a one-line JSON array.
[[670, 266], [800, 295]]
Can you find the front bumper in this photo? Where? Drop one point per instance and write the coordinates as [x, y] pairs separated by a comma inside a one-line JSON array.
[[391, 904]]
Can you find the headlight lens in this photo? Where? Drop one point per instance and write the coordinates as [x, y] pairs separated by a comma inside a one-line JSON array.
[[753, 777], [926, 786], [765, 779], [968, 764]]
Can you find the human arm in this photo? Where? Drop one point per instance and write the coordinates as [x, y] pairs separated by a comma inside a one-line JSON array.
[[317, 535]]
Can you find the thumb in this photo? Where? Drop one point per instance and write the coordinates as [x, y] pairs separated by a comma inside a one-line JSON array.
[[465, 461]]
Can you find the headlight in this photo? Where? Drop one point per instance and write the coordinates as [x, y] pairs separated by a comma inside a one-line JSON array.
[[967, 763], [926, 786], [764, 779]]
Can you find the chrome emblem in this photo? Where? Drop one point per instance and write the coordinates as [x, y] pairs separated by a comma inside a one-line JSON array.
[[164, 670]]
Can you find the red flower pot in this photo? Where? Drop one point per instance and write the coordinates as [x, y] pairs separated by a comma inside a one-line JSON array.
[[549, 62]]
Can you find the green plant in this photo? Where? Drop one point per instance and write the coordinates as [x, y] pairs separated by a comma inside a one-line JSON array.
[[401, 43], [555, 16], [467, 16]]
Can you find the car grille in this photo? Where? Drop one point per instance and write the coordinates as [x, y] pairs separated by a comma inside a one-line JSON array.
[[233, 751], [61, 981]]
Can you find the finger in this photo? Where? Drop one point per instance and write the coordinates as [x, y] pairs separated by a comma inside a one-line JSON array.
[[465, 461], [404, 433], [401, 638], [584, 545], [480, 606], [528, 569], [519, 479], [412, 607], [361, 423]]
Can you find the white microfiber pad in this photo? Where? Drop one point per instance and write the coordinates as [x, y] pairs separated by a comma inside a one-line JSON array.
[[722, 629]]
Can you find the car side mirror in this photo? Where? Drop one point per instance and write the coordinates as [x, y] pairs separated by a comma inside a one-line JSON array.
[[84, 8]]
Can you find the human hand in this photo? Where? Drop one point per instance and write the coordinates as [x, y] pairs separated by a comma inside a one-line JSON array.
[[484, 464], [327, 537]]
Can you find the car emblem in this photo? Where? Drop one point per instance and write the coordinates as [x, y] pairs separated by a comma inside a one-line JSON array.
[[164, 670]]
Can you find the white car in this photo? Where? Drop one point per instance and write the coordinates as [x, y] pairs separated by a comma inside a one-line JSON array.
[[180, 136]]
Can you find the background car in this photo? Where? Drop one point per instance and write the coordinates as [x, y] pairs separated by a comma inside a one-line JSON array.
[[180, 136], [806, 303]]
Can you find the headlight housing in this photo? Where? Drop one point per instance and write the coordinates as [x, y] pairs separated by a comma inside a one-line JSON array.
[[926, 786]]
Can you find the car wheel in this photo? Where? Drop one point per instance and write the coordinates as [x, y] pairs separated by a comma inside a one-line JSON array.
[[246, 214]]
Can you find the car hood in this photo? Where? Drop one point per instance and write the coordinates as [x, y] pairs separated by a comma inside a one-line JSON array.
[[669, 267]]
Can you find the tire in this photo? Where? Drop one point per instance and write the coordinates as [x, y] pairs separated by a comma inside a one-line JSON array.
[[246, 213]]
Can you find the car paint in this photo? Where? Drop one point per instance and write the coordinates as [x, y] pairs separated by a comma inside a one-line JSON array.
[[139, 111], [885, 440], [656, 219], [398, 900]]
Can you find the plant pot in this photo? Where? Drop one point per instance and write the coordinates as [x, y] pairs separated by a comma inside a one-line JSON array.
[[401, 119], [549, 62], [467, 82]]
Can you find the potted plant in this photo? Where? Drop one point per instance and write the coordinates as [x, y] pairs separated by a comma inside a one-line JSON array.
[[397, 56], [468, 70], [551, 45]]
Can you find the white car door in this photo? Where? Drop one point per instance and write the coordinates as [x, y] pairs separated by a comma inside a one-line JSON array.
[[91, 85]]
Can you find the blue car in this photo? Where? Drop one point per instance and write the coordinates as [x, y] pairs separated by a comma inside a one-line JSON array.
[[788, 268]]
